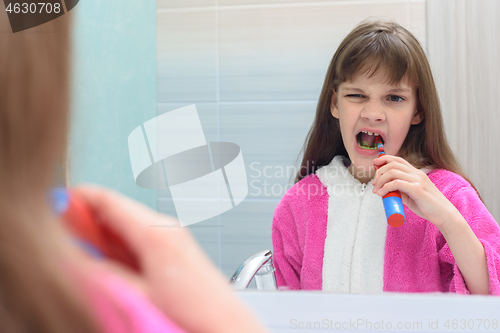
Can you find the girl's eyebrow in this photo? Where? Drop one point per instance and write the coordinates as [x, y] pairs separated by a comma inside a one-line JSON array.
[[400, 90], [354, 89], [395, 90]]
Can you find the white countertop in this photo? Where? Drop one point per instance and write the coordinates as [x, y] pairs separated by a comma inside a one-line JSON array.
[[315, 311]]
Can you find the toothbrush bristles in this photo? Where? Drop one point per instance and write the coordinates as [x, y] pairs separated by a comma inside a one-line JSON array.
[[380, 146]]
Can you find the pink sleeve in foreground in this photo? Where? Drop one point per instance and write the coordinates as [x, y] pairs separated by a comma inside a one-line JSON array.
[[122, 308]]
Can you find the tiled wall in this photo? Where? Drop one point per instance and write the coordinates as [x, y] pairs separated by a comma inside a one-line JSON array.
[[254, 69], [464, 48]]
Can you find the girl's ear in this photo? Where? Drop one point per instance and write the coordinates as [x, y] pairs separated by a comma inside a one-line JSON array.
[[333, 106], [417, 118]]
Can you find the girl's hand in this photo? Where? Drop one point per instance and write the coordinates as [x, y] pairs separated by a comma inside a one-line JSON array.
[[175, 273], [417, 190]]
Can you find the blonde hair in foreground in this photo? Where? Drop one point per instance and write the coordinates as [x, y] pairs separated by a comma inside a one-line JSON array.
[[35, 294], [370, 47]]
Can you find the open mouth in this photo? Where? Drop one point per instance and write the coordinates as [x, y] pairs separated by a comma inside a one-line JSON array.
[[366, 140]]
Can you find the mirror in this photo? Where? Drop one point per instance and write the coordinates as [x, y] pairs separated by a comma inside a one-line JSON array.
[[254, 71]]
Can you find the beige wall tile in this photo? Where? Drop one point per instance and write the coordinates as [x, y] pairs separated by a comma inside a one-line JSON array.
[[187, 57], [282, 53], [169, 4], [418, 20], [268, 2]]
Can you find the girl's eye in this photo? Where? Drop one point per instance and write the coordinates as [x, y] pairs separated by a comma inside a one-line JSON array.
[[395, 98], [356, 95]]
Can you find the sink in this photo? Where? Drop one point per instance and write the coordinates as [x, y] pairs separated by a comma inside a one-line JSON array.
[[317, 311]]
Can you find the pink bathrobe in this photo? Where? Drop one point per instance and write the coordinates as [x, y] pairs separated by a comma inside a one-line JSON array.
[[370, 256]]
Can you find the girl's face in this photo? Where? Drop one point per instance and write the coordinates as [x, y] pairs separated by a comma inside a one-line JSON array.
[[367, 107]]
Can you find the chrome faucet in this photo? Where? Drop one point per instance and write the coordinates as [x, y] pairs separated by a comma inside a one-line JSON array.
[[259, 266]]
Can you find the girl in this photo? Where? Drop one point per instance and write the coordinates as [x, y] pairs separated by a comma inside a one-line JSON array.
[[47, 284], [330, 230]]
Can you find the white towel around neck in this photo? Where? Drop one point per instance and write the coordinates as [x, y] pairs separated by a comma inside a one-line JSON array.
[[356, 231]]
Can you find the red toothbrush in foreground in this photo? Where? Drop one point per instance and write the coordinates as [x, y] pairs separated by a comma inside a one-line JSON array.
[[97, 239]]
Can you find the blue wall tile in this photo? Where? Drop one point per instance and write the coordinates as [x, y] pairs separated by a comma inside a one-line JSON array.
[[114, 90]]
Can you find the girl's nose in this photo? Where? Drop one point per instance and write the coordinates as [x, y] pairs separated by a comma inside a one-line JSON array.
[[373, 111]]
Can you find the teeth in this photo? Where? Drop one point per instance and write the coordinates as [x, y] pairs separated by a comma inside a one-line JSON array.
[[370, 133]]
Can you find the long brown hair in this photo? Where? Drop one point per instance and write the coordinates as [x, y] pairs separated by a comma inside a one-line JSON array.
[[35, 294], [370, 46]]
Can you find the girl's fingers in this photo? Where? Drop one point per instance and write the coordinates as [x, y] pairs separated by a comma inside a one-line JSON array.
[[397, 170], [124, 216], [391, 165], [379, 161], [395, 185], [411, 183], [117, 206], [392, 175]]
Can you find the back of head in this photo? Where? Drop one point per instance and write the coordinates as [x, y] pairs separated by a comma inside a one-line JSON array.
[[35, 295], [372, 46], [34, 81]]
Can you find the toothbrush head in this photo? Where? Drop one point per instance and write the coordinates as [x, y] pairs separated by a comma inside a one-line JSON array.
[[378, 143], [380, 146]]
